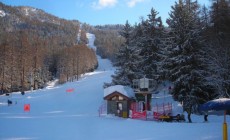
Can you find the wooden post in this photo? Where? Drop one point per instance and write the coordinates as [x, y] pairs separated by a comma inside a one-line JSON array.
[[157, 108], [225, 128], [146, 105]]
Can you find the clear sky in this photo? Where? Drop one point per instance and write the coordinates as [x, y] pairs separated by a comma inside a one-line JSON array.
[[100, 12]]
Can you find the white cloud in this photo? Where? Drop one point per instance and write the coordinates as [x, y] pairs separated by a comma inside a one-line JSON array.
[[132, 3], [104, 3]]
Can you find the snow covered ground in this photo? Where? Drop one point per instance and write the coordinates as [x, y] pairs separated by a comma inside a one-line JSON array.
[[56, 114]]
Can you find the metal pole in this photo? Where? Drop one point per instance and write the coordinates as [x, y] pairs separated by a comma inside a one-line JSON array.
[[146, 105]]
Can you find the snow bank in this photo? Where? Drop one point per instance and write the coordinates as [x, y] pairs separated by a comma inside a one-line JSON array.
[[91, 38], [222, 100], [52, 84], [163, 96]]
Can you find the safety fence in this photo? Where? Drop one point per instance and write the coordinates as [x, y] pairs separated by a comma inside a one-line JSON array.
[[102, 109], [157, 110], [164, 108], [137, 111]]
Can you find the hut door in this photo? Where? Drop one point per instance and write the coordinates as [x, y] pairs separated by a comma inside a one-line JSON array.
[[119, 106], [119, 109]]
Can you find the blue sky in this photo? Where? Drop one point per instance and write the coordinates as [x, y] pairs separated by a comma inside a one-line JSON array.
[[100, 12]]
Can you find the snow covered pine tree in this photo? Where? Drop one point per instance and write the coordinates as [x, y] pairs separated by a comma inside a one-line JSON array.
[[184, 63]]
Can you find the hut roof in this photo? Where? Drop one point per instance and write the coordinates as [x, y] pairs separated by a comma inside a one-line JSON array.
[[124, 90]]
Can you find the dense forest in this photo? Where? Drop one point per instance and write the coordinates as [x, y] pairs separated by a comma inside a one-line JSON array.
[[193, 52], [108, 40], [36, 47]]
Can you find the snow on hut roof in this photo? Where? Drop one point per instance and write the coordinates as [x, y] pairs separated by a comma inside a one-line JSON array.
[[125, 90]]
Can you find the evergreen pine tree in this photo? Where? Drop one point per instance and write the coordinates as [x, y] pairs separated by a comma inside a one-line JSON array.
[[149, 44], [126, 60], [220, 17], [184, 62], [205, 19], [219, 47]]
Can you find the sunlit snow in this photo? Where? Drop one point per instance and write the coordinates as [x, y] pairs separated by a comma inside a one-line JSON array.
[[2, 13], [59, 115]]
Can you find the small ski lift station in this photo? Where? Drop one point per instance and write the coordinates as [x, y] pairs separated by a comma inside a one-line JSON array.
[[143, 89], [144, 85]]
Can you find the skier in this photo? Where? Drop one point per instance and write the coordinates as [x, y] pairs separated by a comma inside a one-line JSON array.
[[205, 117], [9, 102]]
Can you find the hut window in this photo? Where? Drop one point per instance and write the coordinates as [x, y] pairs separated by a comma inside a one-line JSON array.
[[114, 98], [135, 84], [120, 98]]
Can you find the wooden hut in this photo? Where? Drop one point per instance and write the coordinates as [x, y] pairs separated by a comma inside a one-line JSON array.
[[118, 99]]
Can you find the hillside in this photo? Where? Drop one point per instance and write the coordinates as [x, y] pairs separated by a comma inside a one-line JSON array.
[[36, 47], [27, 18], [23, 15]]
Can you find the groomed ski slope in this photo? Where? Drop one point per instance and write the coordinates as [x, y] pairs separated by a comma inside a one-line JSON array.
[[59, 115]]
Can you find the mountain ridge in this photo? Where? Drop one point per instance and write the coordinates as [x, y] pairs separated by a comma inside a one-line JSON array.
[[22, 14]]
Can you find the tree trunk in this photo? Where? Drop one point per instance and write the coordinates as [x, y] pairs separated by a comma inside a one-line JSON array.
[[3, 70], [189, 117], [205, 117]]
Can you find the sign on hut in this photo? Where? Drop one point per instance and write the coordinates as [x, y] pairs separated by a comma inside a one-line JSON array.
[[118, 99]]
